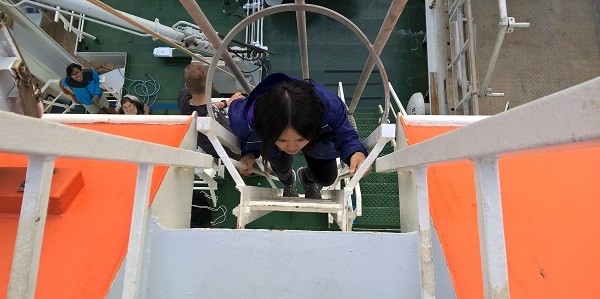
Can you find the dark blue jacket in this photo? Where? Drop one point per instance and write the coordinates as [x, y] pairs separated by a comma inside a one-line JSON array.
[[337, 137]]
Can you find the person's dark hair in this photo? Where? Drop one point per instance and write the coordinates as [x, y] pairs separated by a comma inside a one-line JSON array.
[[194, 77], [138, 105], [289, 103], [72, 66]]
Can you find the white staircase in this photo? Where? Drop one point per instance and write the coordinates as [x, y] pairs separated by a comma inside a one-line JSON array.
[[226, 263]]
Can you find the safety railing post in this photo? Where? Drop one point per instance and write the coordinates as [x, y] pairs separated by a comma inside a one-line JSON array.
[[302, 40], [135, 248], [425, 251], [491, 228], [30, 232], [505, 26]]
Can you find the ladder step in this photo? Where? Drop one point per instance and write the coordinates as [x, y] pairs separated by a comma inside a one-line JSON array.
[[268, 199], [295, 204]]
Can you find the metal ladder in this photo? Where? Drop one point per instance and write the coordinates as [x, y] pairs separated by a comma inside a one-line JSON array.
[[256, 202]]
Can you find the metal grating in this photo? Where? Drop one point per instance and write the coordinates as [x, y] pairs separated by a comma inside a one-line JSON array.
[[380, 200], [380, 217], [379, 190]]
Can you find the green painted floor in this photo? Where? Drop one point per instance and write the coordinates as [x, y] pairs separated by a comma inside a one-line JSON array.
[[335, 55]]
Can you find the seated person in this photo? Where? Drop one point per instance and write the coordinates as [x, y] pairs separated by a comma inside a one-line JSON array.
[[84, 88], [130, 104], [192, 97]]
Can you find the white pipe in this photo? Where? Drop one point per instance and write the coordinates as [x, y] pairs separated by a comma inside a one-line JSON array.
[[392, 16], [302, 40], [358, 194], [93, 11], [472, 63], [397, 100], [247, 28], [455, 5], [504, 26], [202, 21], [262, 24], [495, 53]]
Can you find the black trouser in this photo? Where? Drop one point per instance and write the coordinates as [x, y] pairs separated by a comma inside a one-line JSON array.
[[322, 172]]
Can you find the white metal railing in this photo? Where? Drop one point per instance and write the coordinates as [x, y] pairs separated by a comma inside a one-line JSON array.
[[67, 24], [401, 109], [561, 121], [464, 89], [112, 90], [43, 141], [398, 104], [506, 25], [462, 70], [53, 84], [343, 170]]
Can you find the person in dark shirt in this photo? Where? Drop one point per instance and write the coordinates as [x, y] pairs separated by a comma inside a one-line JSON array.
[[192, 97]]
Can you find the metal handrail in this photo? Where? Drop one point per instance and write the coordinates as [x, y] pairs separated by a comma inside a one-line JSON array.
[[546, 124], [60, 140], [506, 24]]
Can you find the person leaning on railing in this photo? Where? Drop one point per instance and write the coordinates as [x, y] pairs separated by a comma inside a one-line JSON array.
[[192, 97], [283, 116], [84, 88]]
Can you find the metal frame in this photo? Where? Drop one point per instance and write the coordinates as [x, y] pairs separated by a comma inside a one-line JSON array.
[[244, 209], [89, 145], [462, 69], [269, 199], [391, 18], [506, 25], [533, 128], [463, 88], [310, 8]]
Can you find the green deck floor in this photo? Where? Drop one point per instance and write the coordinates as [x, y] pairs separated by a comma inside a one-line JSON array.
[[335, 55]]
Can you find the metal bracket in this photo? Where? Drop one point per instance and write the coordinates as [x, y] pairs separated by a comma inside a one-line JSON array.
[[512, 24], [432, 4], [489, 93]]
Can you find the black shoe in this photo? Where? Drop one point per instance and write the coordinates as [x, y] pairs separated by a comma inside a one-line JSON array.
[[311, 190], [290, 190]]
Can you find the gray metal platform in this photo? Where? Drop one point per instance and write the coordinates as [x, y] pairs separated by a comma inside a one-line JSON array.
[[560, 49]]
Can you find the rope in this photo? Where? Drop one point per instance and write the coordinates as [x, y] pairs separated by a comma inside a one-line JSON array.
[[145, 90]]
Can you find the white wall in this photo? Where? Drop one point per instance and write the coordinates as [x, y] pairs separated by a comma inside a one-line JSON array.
[[172, 204], [218, 263], [221, 263]]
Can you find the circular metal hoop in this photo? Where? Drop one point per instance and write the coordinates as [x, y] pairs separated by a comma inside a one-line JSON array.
[[310, 8]]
